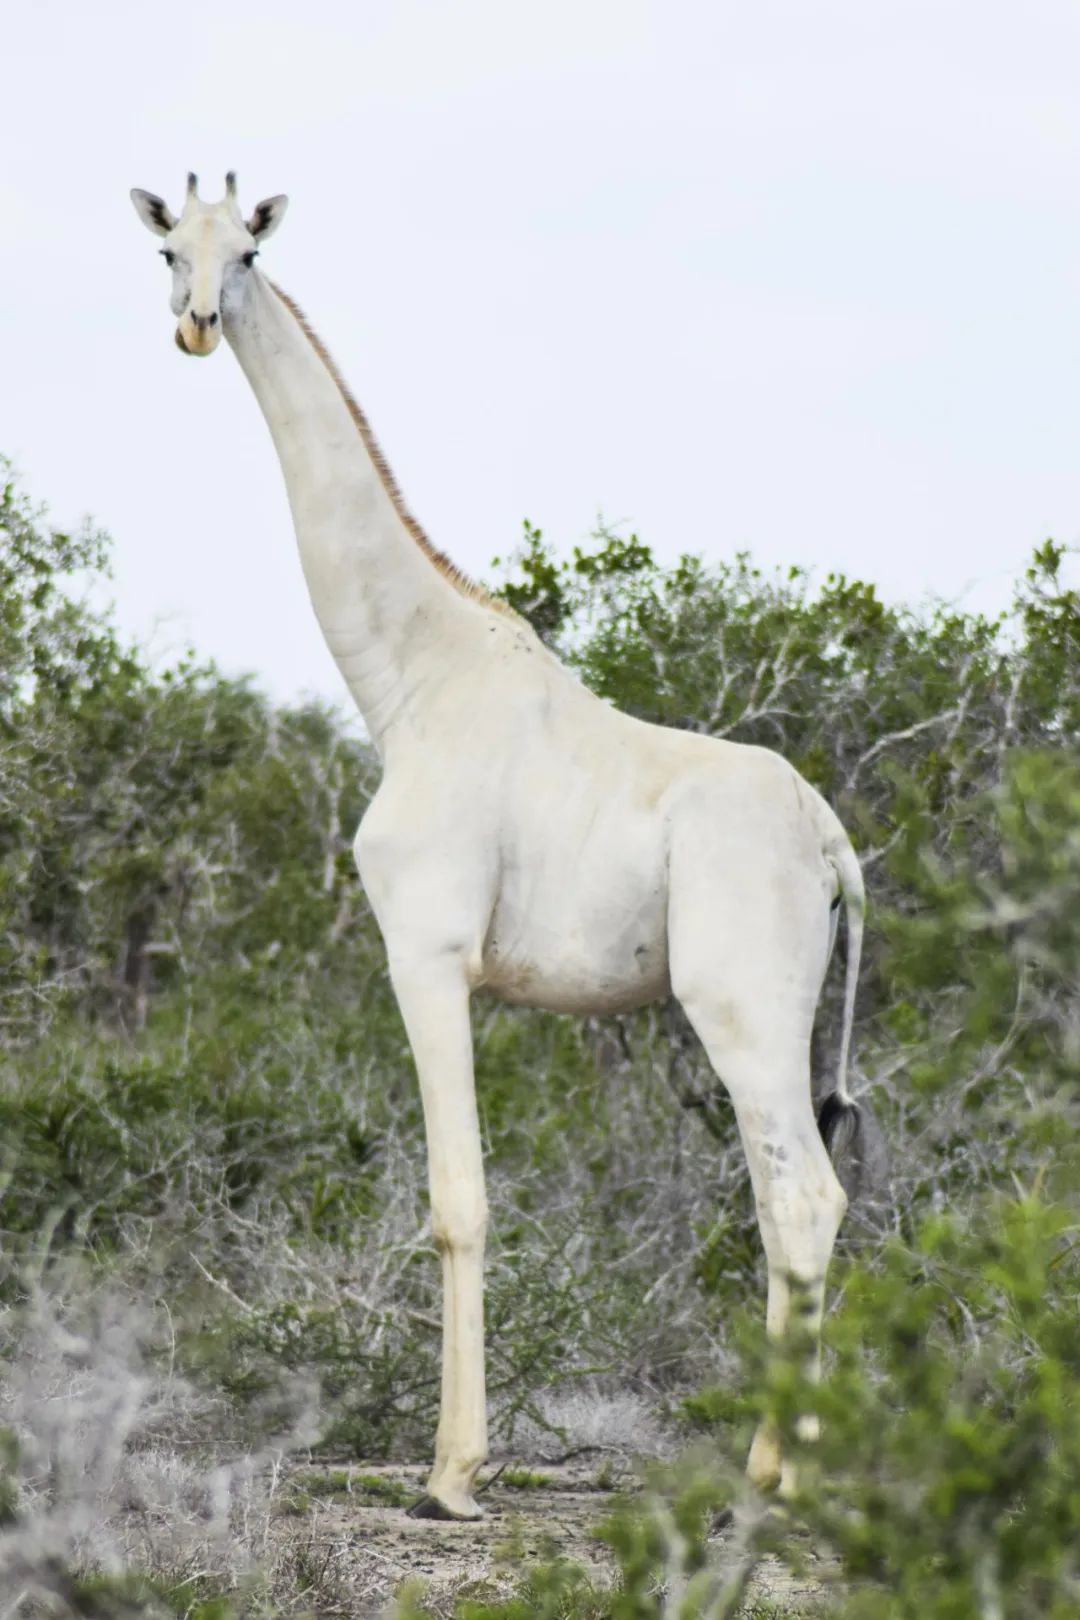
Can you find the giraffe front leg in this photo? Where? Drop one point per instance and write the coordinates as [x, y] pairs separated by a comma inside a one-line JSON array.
[[434, 1002]]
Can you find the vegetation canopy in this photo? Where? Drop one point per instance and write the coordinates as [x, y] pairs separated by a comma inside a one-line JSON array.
[[212, 1198]]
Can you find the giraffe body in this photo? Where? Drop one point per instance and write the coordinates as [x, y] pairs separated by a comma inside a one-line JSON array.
[[529, 840]]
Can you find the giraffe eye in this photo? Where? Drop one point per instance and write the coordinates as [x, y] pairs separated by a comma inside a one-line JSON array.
[[248, 259], [170, 258]]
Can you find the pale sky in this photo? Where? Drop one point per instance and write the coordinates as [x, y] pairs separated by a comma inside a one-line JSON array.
[[795, 277]]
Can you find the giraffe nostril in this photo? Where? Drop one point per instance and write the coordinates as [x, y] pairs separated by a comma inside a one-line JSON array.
[[213, 318]]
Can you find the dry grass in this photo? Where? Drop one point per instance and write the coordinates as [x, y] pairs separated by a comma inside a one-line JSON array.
[[112, 1470]]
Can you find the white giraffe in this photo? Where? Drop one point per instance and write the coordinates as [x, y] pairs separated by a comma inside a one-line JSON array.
[[530, 840]]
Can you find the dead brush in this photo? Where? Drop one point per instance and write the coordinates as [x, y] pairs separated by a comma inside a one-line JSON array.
[[108, 1472]]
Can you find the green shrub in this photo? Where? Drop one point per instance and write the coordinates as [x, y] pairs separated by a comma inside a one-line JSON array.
[[206, 1091]]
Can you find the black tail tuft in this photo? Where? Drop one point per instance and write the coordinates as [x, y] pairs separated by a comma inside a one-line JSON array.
[[838, 1121], [853, 1142]]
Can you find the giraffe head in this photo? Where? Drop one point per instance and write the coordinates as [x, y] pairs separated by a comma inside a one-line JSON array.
[[210, 249]]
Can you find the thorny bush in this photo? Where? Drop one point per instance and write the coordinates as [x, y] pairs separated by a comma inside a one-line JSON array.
[[205, 1079]]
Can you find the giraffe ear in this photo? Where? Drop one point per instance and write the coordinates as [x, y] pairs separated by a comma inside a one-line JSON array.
[[267, 217], [154, 213]]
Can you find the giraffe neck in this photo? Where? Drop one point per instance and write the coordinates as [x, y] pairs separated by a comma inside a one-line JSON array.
[[386, 603]]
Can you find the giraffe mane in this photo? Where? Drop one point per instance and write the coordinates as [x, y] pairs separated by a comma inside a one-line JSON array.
[[445, 565]]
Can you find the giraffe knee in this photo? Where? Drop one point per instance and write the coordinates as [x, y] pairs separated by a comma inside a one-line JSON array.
[[459, 1228]]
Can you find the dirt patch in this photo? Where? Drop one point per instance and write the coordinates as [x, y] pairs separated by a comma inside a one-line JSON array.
[[353, 1540]]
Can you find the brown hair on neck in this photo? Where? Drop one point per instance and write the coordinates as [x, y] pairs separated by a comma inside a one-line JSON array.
[[448, 568]]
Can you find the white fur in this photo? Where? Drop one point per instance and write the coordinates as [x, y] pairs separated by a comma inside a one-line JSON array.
[[532, 841]]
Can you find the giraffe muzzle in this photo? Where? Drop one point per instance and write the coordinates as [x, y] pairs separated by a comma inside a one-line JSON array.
[[198, 334]]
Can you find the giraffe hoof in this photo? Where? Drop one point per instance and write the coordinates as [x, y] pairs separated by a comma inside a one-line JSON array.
[[433, 1507]]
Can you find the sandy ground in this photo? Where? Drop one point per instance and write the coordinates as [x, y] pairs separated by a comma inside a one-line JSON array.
[[351, 1543]]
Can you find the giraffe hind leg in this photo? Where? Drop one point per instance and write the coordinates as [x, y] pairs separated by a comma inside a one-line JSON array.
[[799, 1202], [751, 1000]]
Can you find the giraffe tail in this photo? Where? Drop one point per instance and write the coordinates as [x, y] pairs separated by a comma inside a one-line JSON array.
[[847, 1128]]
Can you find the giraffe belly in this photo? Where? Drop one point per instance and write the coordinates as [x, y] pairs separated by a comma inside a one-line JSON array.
[[590, 960]]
